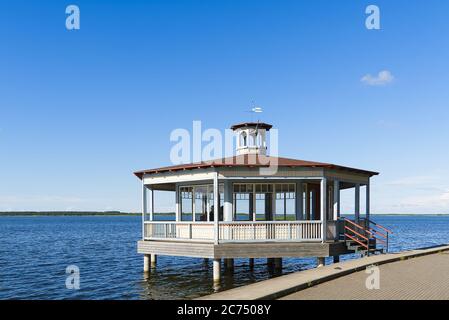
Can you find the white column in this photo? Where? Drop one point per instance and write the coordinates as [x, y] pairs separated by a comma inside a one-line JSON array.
[[323, 208], [336, 199], [144, 207], [321, 262], [357, 202], [153, 260], [152, 205], [307, 203], [146, 263], [299, 201], [178, 206], [216, 267], [227, 207], [216, 209], [368, 201]]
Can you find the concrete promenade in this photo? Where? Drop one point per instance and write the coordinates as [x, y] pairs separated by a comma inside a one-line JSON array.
[[415, 274]]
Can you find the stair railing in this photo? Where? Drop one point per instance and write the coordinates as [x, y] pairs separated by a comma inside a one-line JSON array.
[[354, 238], [360, 228], [383, 236], [357, 233], [361, 234]]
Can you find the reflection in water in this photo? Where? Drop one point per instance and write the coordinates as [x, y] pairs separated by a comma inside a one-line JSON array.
[[193, 277]]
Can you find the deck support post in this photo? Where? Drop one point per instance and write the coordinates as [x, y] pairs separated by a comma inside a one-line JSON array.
[[357, 203], [152, 205], [216, 267], [227, 206], [321, 262], [307, 202], [278, 263], [144, 208], [177, 205], [336, 200], [229, 264], [146, 263], [251, 263], [299, 201], [216, 209], [153, 260], [367, 198], [323, 206], [336, 259]]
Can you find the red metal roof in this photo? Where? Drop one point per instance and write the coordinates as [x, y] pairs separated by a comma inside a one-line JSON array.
[[251, 161]]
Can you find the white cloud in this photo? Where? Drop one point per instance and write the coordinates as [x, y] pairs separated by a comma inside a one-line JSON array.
[[429, 181], [383, 78], [418, 194], [438, 202]]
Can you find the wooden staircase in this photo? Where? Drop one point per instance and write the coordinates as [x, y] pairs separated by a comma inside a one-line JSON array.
[[365, 236]]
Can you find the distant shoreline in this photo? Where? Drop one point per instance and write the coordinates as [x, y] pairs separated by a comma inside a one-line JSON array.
[[72, 213], [121, 214]]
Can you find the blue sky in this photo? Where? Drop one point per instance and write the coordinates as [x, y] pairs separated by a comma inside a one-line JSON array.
[[81, 110]]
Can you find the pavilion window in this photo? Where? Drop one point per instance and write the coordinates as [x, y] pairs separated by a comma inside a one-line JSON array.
[[186, 194], [210, 199], [197, 202], [243, 202], [201, 203], [263, 199], [285, 204]]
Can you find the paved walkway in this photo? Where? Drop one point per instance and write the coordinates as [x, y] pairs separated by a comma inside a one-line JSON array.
[[417, 279], [415, 274]]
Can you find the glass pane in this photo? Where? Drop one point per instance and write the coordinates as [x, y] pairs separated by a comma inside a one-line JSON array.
[[290, 209], [201, 203], [260, 206], [186, 204], [211, 203], [279, 214], [242, 206]]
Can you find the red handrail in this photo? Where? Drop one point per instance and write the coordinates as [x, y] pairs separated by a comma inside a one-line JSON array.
[[383, 241], [358, 226], [353, 231], [359, 242], [381, 226], [368, 233], [379, 233]]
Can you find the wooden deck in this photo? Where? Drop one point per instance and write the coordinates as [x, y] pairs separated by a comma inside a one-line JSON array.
[[242, 250], [415, 274], [421, 278]]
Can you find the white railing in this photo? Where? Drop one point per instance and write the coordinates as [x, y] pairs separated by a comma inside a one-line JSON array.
[[236, 231], [299, 231], [164, 230]]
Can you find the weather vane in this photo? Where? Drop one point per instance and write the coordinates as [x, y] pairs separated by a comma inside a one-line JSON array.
[[255, 109]]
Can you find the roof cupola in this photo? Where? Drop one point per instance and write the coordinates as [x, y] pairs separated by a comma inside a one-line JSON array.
[[251, 137]]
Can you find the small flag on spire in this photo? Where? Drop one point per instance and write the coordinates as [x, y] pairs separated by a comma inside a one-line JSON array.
[[257, 110]]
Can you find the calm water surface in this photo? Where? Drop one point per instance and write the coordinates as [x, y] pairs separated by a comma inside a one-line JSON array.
[[35, 251]]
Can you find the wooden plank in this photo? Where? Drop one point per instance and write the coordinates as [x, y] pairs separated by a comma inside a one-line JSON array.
[[184, 249], [242, 250], [277, 250]]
